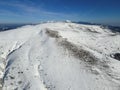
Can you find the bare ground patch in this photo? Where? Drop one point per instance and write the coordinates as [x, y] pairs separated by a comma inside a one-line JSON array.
[[76, 51]]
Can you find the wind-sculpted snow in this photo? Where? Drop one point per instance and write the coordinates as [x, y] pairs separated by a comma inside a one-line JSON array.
[[59, 56]]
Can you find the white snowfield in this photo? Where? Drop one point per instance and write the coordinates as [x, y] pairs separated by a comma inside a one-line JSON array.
[[59, 56]]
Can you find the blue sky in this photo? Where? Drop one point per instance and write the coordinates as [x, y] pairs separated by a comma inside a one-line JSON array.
[[35, 11]]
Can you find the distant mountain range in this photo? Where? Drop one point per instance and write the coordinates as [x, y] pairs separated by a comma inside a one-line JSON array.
[[4, 27]]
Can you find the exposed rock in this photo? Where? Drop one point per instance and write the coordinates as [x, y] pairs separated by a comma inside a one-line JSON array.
[[117, 56]]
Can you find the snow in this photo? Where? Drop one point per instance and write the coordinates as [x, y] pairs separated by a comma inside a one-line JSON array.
[[59, 56]]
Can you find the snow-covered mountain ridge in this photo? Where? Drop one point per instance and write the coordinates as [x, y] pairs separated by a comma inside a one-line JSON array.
[[59, 56]]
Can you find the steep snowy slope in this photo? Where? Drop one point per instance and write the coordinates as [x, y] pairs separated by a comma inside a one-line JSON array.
[[59, 56]]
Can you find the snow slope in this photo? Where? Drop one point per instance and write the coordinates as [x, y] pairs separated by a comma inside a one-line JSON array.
[[59, 56]]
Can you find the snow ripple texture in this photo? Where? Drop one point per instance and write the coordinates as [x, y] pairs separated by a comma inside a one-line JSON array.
[[59, 56]]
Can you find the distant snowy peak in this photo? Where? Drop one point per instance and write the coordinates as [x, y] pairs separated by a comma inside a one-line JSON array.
[[68, 21]]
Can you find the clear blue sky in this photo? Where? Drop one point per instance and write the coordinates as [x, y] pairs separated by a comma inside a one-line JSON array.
[[27, 11]]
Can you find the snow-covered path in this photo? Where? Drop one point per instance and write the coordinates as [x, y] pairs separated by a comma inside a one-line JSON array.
[[59, 56]]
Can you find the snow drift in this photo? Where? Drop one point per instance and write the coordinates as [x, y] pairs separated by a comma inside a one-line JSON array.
[[59, 56]]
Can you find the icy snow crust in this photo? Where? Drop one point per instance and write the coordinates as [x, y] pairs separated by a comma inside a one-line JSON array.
[[59, 56]]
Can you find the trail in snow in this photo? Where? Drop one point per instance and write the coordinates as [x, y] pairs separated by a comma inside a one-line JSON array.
[[59, 56]]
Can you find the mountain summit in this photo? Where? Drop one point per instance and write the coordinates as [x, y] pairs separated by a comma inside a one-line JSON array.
[[60, 56]]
